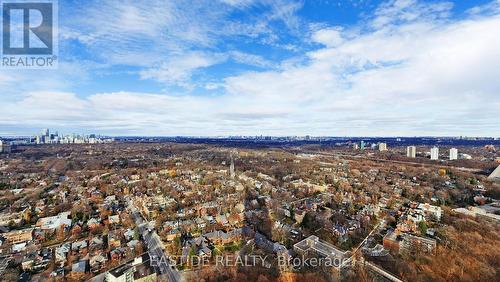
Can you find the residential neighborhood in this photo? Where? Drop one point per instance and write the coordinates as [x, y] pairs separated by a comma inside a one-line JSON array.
[[102, 211]]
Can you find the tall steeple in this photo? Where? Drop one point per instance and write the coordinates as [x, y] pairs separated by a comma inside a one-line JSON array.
[[231, 167]]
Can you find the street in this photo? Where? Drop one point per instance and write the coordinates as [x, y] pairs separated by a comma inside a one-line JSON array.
[[4, 262], [154, 246]]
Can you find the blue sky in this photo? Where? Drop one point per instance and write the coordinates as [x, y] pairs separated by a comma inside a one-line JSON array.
[[265, 67]]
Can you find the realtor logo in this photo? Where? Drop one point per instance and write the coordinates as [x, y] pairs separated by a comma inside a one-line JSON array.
[[29, 34]]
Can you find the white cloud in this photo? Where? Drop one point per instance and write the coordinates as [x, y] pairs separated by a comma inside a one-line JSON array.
[[422, 76], [490, 8], [239, 3], [410, 70], [330, 37], [179, 69], [407, 11], [156, 36], [250, 59]]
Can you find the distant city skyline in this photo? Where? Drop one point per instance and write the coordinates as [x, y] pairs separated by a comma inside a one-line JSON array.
[[83, 132], [262, 67], [51, 137]]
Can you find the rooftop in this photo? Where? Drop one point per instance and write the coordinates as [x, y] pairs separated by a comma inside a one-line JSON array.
[[321, 247], [495, 175]]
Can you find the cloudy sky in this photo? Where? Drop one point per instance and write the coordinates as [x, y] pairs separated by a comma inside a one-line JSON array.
[[270, 67]]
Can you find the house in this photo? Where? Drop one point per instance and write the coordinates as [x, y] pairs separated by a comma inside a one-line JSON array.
[[3, 229], [409, 221], [114, 219], [221, 219], [172, 234], [61, 253], [28, 261], [110, 199], [221, 238], [94, 223], [117, 254], [129, 234], [204, 251], [8, 217], [39, 234], [96, 244], [79, 268], [97, 262], [114, 240], [200, 223], [274, 247], [235, 219], [96, 195], [299, 216], [218, 237], [132, 244], [79, 247], [59, 272], [431, 212], [188, 225], [43, 259], [199, 245], [210, 219], [76, 230]]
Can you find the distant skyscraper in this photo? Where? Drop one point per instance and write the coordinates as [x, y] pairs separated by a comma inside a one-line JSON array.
[[435, 153], [382, 147], [355, 146], [362, 145], [453, 154], [46, 132], [411, 151]]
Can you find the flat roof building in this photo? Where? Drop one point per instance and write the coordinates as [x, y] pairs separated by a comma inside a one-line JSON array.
[[411, 151], [19, 236], [313, 246], [435, 153], [382, 147], [453, 154]]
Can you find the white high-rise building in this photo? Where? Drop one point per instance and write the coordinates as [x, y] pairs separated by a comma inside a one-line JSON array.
[[453, 154], [4, 147], [382, 147], [411, 151], [435, 153]]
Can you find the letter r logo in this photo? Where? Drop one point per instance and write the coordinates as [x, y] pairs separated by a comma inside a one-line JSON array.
[[27, 28]]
